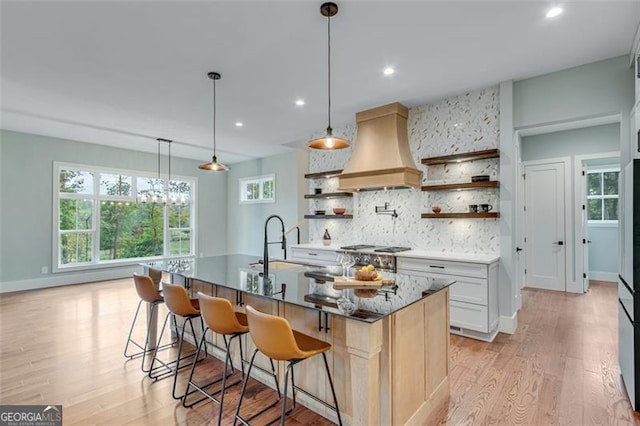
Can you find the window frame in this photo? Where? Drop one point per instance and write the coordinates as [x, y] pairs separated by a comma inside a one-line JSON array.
[[242, 188], [602, 196], [96, 263]]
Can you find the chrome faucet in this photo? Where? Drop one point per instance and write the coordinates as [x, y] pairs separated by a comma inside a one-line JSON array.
[[265, 257]]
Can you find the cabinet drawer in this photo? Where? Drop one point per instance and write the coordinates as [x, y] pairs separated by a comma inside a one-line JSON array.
[[470, 290], [321, 256], [468, 315], [443, 267]]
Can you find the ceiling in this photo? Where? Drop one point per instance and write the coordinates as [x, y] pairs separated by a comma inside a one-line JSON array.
[[124, 73]]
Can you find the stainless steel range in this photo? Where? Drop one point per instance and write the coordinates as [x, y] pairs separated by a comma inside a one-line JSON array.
[[381, 257]]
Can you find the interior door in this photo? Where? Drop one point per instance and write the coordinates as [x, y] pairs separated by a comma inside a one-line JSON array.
[[585, 234], [545, 226]]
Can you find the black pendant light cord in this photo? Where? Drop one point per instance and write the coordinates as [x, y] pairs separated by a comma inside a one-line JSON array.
[[329, 70], [214, 118]]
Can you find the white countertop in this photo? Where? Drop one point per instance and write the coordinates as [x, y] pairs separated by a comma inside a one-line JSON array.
[[419, 254]]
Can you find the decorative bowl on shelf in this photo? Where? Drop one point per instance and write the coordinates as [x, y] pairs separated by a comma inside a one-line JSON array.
[[436, 209], [339, 210], [366, 293]]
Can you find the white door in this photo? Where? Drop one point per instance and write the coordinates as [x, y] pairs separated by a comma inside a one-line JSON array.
[[585, 234], [545, 226]]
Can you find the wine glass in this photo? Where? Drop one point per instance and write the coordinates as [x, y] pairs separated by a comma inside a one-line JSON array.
[[346, 261]]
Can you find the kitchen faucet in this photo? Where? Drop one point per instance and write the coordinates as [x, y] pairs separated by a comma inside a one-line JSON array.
[[265, 257]]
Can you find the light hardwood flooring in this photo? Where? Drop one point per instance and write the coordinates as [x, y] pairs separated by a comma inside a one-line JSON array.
[[64, 346]]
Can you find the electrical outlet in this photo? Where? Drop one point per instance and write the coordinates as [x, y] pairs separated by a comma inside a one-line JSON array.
[[44, 270]]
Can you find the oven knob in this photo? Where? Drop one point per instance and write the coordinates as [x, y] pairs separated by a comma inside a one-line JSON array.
[[357, 258], [376, 261], [383, 262], [366, 260]]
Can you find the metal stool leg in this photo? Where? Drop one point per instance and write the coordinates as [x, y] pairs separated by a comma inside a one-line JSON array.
[[333, 391]]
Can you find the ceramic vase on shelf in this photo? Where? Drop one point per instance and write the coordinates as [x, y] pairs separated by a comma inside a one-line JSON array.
[[326, 238]]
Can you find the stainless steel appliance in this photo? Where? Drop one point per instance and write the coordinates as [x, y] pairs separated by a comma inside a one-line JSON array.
[[629, 284], [382, 257]]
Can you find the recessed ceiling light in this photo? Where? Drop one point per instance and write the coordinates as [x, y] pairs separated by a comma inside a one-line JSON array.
[[388, 71], [239, 124], [300, 102], [553, 12]]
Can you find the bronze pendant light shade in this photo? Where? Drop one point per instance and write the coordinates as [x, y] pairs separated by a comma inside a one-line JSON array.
[[214, 165], [328, 141]]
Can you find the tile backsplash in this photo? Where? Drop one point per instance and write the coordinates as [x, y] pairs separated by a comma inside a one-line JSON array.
[[463, 123]]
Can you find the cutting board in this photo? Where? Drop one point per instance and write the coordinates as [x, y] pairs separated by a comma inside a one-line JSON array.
[[342, 283]]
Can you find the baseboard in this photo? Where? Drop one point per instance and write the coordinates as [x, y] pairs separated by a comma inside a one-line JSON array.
[[56, 280], [508, 324], [603, 276]]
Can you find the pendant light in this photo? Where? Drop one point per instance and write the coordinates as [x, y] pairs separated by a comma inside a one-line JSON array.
[[329, 141], [214, 166]]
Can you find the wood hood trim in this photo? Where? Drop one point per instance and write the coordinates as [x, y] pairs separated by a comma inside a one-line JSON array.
[[381, 157]]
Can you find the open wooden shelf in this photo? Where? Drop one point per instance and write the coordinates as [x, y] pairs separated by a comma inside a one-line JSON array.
[[323, 175], [488, 215], [328, 216], [456, 158], [464, 185], [327, 195]]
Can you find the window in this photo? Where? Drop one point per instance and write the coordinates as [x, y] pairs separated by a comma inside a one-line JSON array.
[[602, 195], [260, 189], [116, 216]]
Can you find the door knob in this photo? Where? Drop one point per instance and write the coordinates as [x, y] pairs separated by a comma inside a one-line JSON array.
[[560, 243]]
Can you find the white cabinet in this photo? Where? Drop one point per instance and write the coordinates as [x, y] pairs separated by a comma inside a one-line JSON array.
[[314, 255], [473, 298]]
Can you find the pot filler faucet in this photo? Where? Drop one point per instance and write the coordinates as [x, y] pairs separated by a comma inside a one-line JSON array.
[[282, 242]]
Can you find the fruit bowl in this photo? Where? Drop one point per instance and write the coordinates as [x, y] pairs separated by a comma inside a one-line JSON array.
[[339, 210], [367, 275]]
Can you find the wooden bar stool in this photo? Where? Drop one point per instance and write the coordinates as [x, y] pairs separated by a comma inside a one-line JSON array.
[[220, 318], [179, 305], [148, 293], [273, 336]]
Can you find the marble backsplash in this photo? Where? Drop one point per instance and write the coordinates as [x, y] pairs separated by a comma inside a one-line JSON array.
[[463, 123]]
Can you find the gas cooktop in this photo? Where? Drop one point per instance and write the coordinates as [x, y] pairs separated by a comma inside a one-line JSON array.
[[378, 249]]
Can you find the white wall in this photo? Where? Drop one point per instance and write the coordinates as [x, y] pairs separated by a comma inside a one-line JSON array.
[[26, 218], [246, 221]]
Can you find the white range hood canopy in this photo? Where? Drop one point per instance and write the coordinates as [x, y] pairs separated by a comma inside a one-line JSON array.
[[381, 158]]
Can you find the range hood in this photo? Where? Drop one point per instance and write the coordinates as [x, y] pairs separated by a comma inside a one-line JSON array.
[[381, 158]]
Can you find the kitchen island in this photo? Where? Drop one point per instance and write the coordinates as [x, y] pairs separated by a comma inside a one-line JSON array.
[[389, 359]]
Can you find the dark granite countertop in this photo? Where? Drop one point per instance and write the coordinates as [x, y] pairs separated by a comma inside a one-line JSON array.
[[303, 285]]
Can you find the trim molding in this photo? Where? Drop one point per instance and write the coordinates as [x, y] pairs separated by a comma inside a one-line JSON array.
[[57, 280], [603, 276], [508, 324]]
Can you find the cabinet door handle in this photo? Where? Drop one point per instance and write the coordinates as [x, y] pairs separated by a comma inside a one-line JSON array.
[[436, 266], [312, 254]]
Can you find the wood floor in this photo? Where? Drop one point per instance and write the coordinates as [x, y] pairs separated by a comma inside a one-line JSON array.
[[64, 346]]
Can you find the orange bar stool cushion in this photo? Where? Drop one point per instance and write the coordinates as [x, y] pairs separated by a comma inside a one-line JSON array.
[[146, 289], [219, 316], [178, 301]]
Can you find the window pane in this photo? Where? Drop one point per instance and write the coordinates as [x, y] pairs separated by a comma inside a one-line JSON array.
[[76, 247], [149, 187], [595, 209], [610, 183], [179, 216], [267, 190], [610, 209], [594, 186], [180, 241], [130, 231], [76, 181], [252, 190], [76, 214], [115, 185]]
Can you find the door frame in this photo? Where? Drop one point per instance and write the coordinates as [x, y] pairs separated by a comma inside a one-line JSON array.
[[569, 285], [580, 199]]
